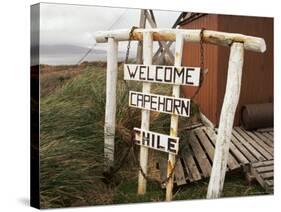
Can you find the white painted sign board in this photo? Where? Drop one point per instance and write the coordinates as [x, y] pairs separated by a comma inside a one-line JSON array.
[[158, 141], [160, 103], [163, 74]]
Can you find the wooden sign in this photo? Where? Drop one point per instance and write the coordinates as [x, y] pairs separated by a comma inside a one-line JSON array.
[[162, 74], [160, 103], [161, 142]]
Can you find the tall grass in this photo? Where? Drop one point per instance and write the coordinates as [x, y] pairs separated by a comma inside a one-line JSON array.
[[71, 139], [70, 144]]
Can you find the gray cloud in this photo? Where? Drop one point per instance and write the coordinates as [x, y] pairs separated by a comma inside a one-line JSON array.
[[76, 25]]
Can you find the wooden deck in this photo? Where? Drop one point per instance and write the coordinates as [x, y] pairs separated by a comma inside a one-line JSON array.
[[263, 172], [246, 148]]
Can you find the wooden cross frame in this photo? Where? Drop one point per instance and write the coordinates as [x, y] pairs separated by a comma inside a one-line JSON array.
[[237, 43], [164, 47]]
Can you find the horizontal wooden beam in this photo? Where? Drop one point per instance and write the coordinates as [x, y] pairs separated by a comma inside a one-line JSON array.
[[251, 43]]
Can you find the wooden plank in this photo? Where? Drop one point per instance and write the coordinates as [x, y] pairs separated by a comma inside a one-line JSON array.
[[153, 102], [265, 130], [200, 156], [265, 169], [205, 143], [232, 163], [269, 149], [157, 141], [270, 137], [241, 148], [193, 126], [248, 146], [191, 167], [269, 182], [268, 188], [263, 172], [179, 174], [267, 175], [190, 35], [246, 156], [263, 163], [264, 144], [257, 176], [172, 75], [254, 143], [206, 121], [264, 138]]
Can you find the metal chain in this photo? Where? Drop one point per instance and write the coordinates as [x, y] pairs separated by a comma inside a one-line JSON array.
[[178, 157], [129, 43], [201, 63], [163, 182], [202, 49]]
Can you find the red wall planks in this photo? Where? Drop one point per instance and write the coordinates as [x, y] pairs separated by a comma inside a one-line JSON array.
[[257, 81]]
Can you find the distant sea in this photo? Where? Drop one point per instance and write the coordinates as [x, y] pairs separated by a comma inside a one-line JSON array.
[[69, 59], [70, 55]]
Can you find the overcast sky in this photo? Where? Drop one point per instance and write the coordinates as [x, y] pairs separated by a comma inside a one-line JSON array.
[[76, 25]]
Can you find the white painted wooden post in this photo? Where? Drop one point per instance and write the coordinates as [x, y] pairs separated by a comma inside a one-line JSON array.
[[145, 115], [139, 49], [174, 119], [230, 102], [110, 108]]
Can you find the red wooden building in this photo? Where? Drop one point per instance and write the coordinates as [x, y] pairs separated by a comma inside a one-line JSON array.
[[257, 79]]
